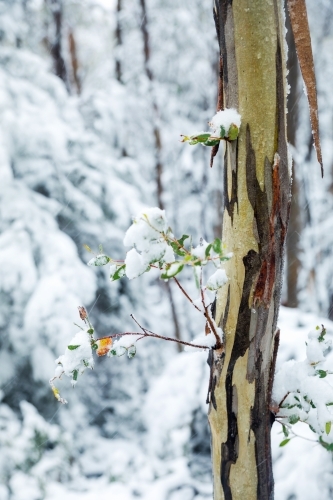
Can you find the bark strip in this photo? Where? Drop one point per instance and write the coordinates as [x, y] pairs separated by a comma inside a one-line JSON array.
[[301, 31]]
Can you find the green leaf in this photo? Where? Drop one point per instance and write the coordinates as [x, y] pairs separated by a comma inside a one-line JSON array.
[[99, 260], [94, 346], [176, 249], [131, 351], [173, 269], [222, 131], [285, 430], [72, 347], [293, 419], [208, 249], [321, 337], [113, 352], [217, 246], [75, 374], [327, 446], [86, 364], [313, 430], [284, 442], [233, 132], [200, 138], [321, 373], [90, 331], [211, 142], [120, 272], [297, 399], [328, 426], [182, 239]]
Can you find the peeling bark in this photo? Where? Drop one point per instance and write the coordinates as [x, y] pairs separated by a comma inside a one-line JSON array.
[[256, 212], [301, 31]]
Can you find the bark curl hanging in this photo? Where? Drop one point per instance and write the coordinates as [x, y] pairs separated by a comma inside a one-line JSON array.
[[301, 32]]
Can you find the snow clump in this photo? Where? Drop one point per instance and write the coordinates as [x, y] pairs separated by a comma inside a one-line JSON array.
[[77, 357], [145, 235], [223, 120], [302, 390], [217, 280]]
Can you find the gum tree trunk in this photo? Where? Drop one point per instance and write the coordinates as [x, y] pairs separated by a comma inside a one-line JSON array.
[[256, 208]]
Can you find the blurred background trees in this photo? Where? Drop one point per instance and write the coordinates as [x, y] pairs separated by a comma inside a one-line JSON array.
[[94, 95]]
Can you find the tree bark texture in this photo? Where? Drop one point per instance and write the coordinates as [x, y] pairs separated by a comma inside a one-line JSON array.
[[295, 222], [257, 182]]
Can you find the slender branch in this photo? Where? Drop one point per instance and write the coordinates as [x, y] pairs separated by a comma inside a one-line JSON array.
[[208, 316], [294, 433], [153, 335], [186, 295]]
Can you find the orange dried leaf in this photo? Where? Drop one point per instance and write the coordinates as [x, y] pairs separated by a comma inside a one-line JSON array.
[[104, 346]]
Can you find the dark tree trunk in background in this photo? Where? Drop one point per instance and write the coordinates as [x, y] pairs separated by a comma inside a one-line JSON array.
[[158, 147], [295, 222], [74, 61], [55, 40], [119, 41]]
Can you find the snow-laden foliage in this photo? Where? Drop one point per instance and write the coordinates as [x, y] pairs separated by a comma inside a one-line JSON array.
[[225, 127], [302, 390], [154, 247], [74, 168]]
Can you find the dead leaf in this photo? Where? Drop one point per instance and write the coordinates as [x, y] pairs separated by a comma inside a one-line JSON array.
[[104, 346]]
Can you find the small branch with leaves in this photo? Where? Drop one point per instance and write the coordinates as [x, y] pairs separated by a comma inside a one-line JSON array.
[[225, 128], [302, 392], [153, 247]]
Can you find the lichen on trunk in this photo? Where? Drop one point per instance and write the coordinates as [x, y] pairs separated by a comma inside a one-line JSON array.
[[256, 209]]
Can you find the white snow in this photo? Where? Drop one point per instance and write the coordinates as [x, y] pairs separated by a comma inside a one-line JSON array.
[[217, 280], [74, 359], [199, 251], [225, 119], [203, 340], [146, 236]]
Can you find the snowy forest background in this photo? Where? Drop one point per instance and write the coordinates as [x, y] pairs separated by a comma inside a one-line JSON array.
[[93, 97]]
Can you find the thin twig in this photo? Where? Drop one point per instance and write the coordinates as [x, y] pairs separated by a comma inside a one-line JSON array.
[[153, 335], [136, 321], [187, 296], [208, 317]]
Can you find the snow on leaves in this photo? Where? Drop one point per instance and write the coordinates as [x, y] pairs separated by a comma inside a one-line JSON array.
[[302, 391], [153, 246], [225, 126]]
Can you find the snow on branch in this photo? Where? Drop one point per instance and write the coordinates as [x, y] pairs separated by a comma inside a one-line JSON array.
[[303, 391], [154, 246], [225, 127]]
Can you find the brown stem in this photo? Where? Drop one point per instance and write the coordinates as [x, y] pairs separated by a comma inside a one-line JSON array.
[[153, 335], [187, 296], [208, 317], [174, 312]]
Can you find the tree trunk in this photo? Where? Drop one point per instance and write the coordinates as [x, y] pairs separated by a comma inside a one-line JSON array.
[[158, 150], [56, 41], [251, 34]]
